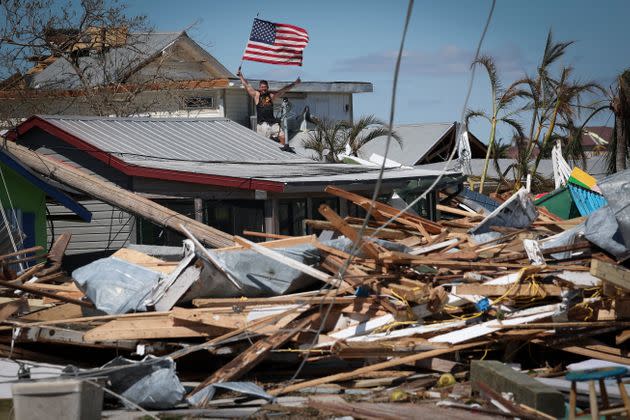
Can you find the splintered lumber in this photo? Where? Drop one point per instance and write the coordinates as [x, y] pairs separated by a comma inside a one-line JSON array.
[[252, 327], [116, 196], [385, 233], [345, 376], [36, 291], [388, 211], [155, 327], [509, 290], [9, 308], [452, 210], [349, 232], [281, 300], [264, 235], [20, 252], [611, 273], [248, 359]]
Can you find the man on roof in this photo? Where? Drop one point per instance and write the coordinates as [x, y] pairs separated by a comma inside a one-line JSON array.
[[268, 124]]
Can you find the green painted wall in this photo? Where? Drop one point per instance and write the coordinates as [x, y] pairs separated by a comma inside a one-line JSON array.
[[27, 197]]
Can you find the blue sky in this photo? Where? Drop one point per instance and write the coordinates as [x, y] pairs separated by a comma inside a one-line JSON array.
[[358, 41]]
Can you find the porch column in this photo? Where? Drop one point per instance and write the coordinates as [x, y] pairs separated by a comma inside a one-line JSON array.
[[271, 215], [198, 209]]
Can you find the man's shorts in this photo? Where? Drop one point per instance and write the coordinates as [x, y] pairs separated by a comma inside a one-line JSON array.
[[267, 130]]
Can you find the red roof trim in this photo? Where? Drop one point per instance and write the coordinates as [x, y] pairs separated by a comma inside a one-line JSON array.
[[133, 170]]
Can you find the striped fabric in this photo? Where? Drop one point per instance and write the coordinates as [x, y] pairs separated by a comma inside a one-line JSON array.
[[276, 43]]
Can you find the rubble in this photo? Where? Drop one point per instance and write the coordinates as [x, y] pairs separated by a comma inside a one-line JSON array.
[[305, 315]]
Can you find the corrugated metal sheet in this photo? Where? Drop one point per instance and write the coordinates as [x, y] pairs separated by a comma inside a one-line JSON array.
[[203, 140], [117, 61]]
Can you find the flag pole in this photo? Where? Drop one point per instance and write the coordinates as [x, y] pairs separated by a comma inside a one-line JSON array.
[[241, 63]]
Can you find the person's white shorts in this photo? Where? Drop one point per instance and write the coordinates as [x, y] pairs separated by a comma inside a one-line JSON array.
[[267, 130]]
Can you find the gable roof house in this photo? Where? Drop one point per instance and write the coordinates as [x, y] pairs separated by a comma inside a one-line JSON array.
[[213, 169], [156, 75], [422, 143]]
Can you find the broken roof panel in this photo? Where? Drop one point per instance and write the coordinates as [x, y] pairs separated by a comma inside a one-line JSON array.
[[117, 62]]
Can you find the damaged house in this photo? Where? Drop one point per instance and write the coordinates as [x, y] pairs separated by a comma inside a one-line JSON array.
[[213, 170]]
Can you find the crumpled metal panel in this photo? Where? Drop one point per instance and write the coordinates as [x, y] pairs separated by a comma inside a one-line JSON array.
[[116, 286]]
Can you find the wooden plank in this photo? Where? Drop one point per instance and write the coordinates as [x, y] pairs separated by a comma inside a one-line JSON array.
[[34, 291], [157, 327], [387, 210], [264, 235], [583, 351], [611, 273], [65, 311], [253, 327], [21, 252], [451, 210], [281, 300], [341, 226], [385, 233], [520, 290], [9, 308], [622, 337], [251, 357], [345, 376]]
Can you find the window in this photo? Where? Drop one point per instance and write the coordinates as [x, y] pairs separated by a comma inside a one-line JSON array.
[[291, 217], [197, 102]]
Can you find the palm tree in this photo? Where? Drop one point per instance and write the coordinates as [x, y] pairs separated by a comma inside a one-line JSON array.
[[565, 100], [541, 94], [327, 140], [364, 131], [501, 100], [619, 149]]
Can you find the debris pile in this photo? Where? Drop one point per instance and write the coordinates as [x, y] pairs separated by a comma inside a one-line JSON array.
[[309, 326]]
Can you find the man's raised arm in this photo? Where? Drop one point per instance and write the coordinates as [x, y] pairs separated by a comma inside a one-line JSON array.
[[287, 88], [250, 90]]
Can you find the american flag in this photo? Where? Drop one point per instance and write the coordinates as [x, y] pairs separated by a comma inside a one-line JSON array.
[[276, 43]]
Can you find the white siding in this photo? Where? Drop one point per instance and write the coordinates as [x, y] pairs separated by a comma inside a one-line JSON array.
[[110, 228]]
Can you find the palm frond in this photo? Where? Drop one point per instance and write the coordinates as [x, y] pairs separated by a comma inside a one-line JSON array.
[[515, 125], [471, 114], [488, 63]]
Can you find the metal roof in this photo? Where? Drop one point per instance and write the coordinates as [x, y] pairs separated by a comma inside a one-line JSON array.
[[114, 65], [203, 140], [295, 174], [311, 86], [417, 141]]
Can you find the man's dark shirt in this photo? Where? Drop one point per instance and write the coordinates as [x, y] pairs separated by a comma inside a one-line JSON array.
[[264, 109]]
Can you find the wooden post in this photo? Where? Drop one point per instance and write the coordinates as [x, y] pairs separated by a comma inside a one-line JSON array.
[[199, 209]]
